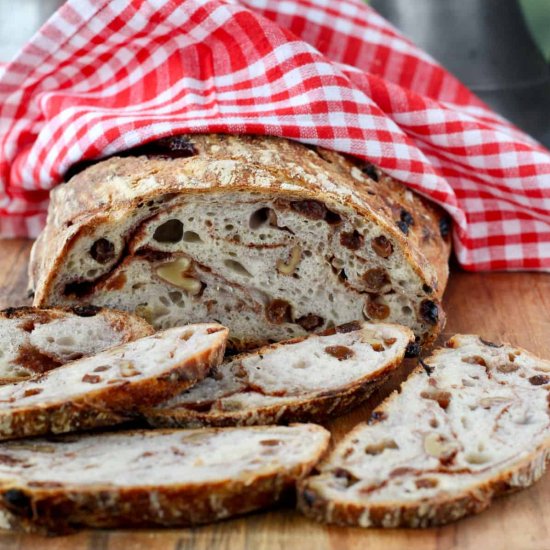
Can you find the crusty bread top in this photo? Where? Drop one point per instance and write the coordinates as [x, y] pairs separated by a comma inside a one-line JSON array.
[[35, 340], [475, 420], [296, 371], [159, 459], [252, 164]]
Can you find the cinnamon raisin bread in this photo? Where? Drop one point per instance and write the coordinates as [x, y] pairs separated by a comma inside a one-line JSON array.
[[35, 340], [269, 237], [152, 478], [107, 388], [311, 378], [471, 425]]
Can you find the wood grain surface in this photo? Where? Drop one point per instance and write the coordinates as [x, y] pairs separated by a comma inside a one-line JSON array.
[[511, 307]]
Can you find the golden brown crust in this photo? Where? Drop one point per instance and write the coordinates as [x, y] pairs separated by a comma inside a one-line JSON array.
[[317, 409], [422, 514], [59, 513]]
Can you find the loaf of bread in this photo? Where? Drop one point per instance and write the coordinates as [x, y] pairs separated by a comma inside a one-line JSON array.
[[266, 236], [471, 425], [152, 478], [35, 340], [108, 388], [307, 379]]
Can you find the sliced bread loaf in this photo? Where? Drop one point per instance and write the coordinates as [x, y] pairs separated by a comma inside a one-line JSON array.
[[469, 426], [35, 340], [144, 478], [269, 237], [108, 387], [303, 379]]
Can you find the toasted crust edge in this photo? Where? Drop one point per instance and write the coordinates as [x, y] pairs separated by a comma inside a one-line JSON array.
[[317, 409], [428, 512], [137, 324]]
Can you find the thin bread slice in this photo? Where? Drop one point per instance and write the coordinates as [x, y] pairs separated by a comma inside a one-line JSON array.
[[107, 388], [470, 426], [148, 478], [35, 340], [305, 379]]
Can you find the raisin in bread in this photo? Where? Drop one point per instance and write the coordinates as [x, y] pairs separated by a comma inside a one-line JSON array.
[[152, 478], [312, 378], [472, 426], [107, 388], [263, 235], [36, 340]]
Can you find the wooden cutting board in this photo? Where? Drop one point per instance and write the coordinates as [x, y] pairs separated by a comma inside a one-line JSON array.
[[500, 306]]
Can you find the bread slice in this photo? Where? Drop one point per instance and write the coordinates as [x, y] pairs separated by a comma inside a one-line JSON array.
[[471, 425], [153, 478], [306, 379], [35, 340], [264, 235], [107, 388]]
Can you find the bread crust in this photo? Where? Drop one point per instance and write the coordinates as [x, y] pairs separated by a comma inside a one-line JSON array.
[[318, 409], [109, 405], [233, 164], [54, 510], [428, 511]]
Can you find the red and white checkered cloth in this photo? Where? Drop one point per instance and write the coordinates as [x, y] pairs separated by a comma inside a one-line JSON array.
[[106, 75]]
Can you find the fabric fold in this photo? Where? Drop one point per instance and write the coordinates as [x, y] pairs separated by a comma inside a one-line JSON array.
[[102, 76]]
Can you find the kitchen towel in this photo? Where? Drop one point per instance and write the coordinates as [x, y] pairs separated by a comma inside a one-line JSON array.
[[106, 75]]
